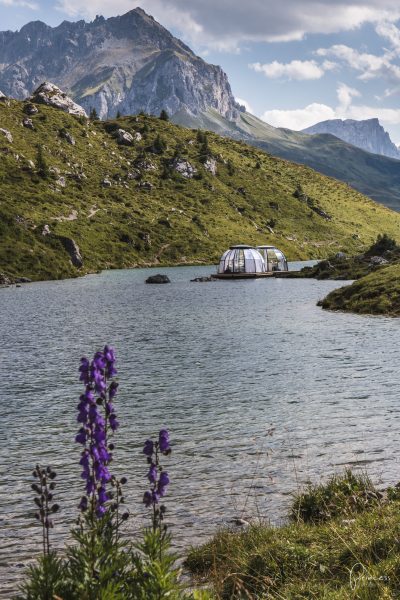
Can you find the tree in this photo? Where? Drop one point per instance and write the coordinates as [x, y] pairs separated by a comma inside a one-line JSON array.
[[231, 167], [93, 115], [41, 164], [164, 115], [159, 145], [118, 116]]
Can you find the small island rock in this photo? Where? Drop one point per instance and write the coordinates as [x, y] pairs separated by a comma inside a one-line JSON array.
[[159, 278]]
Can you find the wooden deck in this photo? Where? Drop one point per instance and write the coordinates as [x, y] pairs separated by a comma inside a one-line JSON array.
[[251, 275]]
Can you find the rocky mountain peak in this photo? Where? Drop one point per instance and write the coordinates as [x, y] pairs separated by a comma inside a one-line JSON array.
[[127, 64], [367, 134]]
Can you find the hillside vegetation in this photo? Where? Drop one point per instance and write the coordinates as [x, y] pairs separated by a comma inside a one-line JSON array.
[[172, 196]]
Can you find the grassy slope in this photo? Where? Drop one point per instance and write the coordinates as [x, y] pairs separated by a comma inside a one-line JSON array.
[[341, 543], [187, 220], [377, 293], [373, 175]]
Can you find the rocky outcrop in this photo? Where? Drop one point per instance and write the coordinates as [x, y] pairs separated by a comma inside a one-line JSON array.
[[127, 64], [124, 138], [183, 167], [72, 248], [3, 97], [158, 279], [368, 135], [51, 95], [7, 135]]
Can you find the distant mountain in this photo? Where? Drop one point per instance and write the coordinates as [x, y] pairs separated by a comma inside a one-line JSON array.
[[128, 64], [368, 135]]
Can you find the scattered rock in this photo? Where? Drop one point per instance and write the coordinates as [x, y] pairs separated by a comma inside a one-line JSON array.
[[5, 280], [28, 123], [61, 182], [145, 237], [340, 255], [7, 135], [211, 166], [378, 260], [67, 136], [3, 97], [133, 175], [184, 167], [241, 191], [46, 230], [30, 109], [29, 165], [23, 280], [51, 95], [158, 279], [123, 137], [145, 165], [137, 136], [106, 183], [239, 522], [73, 250], [145, 185]]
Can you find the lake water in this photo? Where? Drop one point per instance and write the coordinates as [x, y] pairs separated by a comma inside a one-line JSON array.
[[219, 364]]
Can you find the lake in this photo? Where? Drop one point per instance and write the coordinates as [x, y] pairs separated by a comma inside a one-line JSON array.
[[219, 364]]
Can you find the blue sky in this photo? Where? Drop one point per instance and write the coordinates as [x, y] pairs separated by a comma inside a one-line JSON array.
[[294, 63]]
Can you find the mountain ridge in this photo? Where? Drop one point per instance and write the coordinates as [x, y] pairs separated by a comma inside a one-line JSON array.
[[367, 134]]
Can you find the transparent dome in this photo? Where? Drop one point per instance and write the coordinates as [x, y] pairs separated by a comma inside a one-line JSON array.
[[241, 259], [274, 259]]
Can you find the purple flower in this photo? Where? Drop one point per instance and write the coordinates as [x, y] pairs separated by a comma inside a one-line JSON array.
[[152, 474], [81, 437], [113, 390], [84, 370], [113, 422], [148, 448], [163, 440]]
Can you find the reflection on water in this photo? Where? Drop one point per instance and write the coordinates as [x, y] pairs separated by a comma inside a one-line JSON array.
[[219, 364]]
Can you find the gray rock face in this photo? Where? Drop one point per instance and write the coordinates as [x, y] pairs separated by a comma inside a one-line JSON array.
[[127, 63], [368, 135], [124, 137], [3, 97], [51, 95], [7, 135], [72, 248], [184, 167]]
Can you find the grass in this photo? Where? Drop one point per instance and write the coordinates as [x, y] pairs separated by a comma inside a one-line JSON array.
[[347, 554], [250, 200], [375, 294]]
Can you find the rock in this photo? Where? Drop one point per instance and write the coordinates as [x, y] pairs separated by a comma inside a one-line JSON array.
[[67, 136], [184, 167], [145, 185], [3, 97], [29, 165], [73, 250], [340, 255], [5, 280], [145, 237], [106, 183], [241, 191], [30, 109], [378, 260], [137, 136], [23, 280], [51, 95], [158, 279], [61, 182], [133, 175], [124, 138], [46, 230], [28, 123], [211, 166], [239, 522], [145, 165], [204, 279], [7, 135]]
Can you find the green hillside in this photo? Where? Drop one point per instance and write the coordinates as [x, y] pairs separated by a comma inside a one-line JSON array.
[[126, 206], [377, 294], [376, 176]]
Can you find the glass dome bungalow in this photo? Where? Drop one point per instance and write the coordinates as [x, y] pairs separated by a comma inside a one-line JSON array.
[[274, 259], [241, 262]]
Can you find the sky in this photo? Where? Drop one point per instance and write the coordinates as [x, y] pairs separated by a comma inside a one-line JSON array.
[[292, 63]]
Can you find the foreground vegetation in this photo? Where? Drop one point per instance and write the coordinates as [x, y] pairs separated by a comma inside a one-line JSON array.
[[66, 178], [342, 543]]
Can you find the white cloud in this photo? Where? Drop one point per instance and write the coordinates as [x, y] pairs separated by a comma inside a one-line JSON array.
[[299, 118], [244, 103], [297, 69], [370, 66], [21, 3], [227, 24], [345, 96]]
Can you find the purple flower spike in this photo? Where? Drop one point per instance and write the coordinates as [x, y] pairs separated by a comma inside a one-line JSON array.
[[147, 499], [152, 474], [148, 448], [164, 440], [98, 420]]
